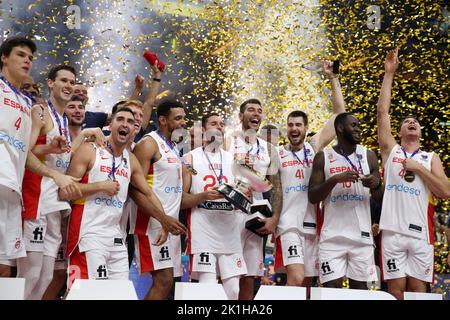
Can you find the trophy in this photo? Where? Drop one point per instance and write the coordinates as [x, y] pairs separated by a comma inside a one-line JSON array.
[[247, 180]]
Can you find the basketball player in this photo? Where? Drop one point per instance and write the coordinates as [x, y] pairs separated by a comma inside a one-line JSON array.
[[214, 226], [162, 164], [16, 143], [15, 130], [412, 176], [297, 241], [75, 111], [96, 245], [43, 210], [344, 177], [248, 148]]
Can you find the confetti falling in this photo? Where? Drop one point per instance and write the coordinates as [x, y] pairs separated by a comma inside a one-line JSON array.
[[219, 53]]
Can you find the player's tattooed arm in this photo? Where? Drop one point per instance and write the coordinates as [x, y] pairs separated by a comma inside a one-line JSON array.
[[276, 196]]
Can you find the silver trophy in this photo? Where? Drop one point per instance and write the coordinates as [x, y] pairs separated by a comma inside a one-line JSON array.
[[247, 180]]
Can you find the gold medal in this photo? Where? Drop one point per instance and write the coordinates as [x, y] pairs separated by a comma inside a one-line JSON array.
[[409, 176]]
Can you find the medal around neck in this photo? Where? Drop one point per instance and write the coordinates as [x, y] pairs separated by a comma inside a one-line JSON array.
[[409, 176], [247, 180]]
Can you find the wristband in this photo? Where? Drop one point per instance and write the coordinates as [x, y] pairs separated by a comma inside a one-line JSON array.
[[156, 79]]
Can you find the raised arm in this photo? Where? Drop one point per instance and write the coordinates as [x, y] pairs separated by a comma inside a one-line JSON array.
[[150, 99], [385, 139], [327, 133]]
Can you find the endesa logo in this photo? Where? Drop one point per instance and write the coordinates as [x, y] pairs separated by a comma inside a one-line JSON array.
[[176, 189], [299, 188], [403, 188], [12, 141], [110, 202], [347, 197], [62, 164]]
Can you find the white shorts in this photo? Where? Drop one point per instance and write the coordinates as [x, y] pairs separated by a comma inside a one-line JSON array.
[[150, 257], [98, 264], [11, 236], [296, 248], [61, 260], [406, 256], [343, 257], [252, 249], [225, 265], [43, 234]]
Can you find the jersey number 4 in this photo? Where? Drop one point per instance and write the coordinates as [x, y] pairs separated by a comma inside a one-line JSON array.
[[18, 123]]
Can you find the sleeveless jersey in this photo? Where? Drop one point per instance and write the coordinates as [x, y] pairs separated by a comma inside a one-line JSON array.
[[297, 212], [346, 210], [15, 132], [95, 220], [213, 225], [164, 177], [41, 193], [259, 152], [406, 205]]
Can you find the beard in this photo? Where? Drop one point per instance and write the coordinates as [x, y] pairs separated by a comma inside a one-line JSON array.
[[349, 137]]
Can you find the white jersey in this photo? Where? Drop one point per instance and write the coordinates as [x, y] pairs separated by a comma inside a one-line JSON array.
[[164, 177], [214, 225], [15, 132], [295, 170], [41, 193], [346, 210], [95, 220], [406, 205], [258, 152]]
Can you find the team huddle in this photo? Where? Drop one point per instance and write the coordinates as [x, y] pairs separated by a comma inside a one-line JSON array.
[[74, 198]]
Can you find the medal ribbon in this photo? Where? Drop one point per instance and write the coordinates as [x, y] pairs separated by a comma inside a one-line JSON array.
[[219, 178], [350, 161], [58, 121]]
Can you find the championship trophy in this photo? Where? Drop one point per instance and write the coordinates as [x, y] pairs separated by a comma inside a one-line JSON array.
[[248, 180]]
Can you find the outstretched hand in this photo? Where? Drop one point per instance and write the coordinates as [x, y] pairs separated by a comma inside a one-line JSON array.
[[391, 62], [327, 68]]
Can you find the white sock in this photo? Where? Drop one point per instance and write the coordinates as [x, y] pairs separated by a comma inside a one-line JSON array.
[[29, 267], [46, 277]]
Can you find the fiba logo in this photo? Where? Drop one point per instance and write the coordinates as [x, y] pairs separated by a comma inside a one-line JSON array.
[[293, 251], [204, 258], [38, 234], [326, 269], [164, 252], [239, 263], [102, 272], [391, 265]]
